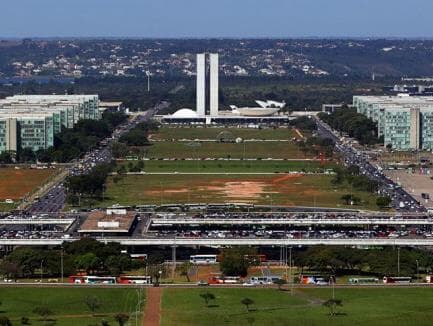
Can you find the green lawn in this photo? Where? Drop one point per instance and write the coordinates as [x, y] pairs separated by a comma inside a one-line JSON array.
[[231, 166], [276, 189], [68, 304], [8, 207], [168, 149], [169, 133], [362, 306]]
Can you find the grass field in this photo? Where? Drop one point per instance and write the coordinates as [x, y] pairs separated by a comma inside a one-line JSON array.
[[68, 304], [362, 306], [276, 189], [168, 133], [7, 207], [14, 184], [224, 150], [231, 166]]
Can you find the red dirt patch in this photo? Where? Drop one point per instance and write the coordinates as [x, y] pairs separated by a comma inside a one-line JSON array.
[[14, 184], [289, 189]]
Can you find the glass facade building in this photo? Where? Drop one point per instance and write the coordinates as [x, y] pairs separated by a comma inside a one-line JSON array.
[[405, 122], [31, 121]]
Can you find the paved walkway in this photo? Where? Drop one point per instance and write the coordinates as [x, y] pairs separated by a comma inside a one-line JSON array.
[[152, 311]]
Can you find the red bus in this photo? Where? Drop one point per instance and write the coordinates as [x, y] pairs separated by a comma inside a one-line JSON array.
[[141, 257], [224, 280], [397, 280], [126, 279]]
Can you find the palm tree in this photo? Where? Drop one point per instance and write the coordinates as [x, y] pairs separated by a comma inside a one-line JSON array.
[[92, 302], [185, 270], [280, 282], [332, 304], [207, 296], [121, 318], [346, 198], [247, 302], [44, 312]]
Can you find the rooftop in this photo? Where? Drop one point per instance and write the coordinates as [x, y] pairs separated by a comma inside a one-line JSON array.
[[110, 221]]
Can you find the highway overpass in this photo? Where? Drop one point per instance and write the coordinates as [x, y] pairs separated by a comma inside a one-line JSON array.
[[290, 221], [28, 221], [228, 242]]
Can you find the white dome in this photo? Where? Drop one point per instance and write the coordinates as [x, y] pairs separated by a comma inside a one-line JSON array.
[[185, 113]]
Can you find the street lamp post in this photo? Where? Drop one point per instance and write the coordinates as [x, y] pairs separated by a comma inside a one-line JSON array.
[[398, 261], [417, 270], [42, 262], [159, 277], [61, 263]]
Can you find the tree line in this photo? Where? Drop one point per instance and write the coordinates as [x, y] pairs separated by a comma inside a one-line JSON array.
[[377, 261], [356, 125], [85, 255]]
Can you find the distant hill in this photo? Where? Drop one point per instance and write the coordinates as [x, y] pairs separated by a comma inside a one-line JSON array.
[[295, 58]]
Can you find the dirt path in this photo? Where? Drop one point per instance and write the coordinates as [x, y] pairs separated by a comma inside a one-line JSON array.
[[152, 310]]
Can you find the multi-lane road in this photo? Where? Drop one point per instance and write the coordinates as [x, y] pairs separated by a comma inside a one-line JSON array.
[[401, 200], [55, 198]]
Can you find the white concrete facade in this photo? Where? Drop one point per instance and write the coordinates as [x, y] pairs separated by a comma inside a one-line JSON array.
[[214, 100], [11, 135], [414, 128], [201, 85]]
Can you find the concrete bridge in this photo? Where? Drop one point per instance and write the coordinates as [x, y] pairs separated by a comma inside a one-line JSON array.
[[418, 242]]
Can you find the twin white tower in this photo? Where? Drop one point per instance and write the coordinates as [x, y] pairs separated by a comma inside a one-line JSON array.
[[201, 84]]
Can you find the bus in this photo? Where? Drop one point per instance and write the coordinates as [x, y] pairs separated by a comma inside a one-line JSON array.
[[88, 279], [256, 259], [264, 280], [203, 259], [363, 280], [127, 279], [224, 280], [316, 280], [141, 257], [397, 280]]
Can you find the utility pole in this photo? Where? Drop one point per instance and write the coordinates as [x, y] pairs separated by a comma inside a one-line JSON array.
[[173, 253], [398, 261], [333, 287], [42, 262], [61, 263]]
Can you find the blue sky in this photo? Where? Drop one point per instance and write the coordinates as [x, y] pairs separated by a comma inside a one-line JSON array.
[[216, 18]]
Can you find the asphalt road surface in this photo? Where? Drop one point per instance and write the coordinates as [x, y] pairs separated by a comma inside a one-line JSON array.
[[55, 198]]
